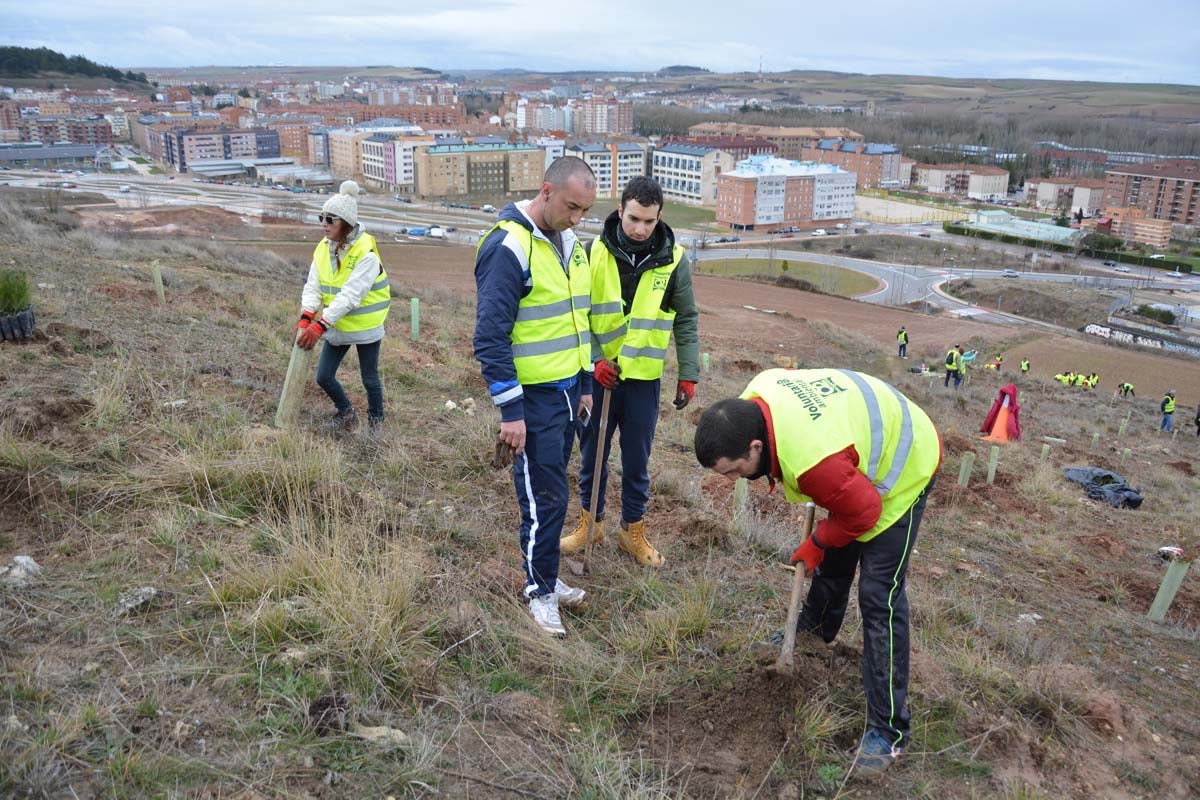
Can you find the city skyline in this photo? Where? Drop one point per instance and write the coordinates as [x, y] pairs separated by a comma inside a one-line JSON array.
[[1021, 39]]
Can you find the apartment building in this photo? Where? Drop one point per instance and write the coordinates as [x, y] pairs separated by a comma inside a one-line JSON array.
[[73, 130], [688, 173], [1070, 195], [614, 163], [740, 147], [975, 181], [766, 193], [293, 138], [186, 147], [789, 141], [604, 115], [345, 152], [399, 161], [554, 147], [1132, 225], [483, 171], [374, 157], [875, 164], [1164, 190]]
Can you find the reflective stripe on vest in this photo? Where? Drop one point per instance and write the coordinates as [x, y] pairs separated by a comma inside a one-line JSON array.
[[550, 337], [819, 412], [638, 342], [373, 310]]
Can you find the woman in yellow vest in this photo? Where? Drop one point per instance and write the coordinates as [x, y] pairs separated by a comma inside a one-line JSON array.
[[857, 447], [346, 279]]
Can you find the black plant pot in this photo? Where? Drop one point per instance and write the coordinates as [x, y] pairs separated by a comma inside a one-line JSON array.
[[14, 327]]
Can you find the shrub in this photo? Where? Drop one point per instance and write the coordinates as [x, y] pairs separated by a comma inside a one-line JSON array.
[[1161, 314], [14, 291]]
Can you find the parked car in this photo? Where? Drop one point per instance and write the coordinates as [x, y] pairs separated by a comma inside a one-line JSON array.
[[788, 236], [1157, 257], [818, 232], [1122, 268], [734, 239], [1109, 263], [925, 235], [1010, 273]]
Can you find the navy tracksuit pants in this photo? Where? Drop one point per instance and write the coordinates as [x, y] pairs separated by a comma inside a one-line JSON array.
[[540, 477], [882, 563], [633, 410]]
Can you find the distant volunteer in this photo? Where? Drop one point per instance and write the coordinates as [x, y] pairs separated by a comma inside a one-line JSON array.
[[347, 278]]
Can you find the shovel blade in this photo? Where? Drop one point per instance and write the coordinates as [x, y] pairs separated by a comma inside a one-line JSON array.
[[576, 567]]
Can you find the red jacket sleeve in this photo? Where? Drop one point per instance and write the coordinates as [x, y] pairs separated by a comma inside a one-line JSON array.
[[853, 503]]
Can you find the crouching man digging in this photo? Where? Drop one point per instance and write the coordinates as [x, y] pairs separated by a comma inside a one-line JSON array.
[[857, 447]]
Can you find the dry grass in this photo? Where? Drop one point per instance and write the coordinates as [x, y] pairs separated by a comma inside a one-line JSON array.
[[294, 567]]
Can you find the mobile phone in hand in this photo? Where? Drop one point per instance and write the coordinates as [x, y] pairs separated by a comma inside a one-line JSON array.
[[585, 416]]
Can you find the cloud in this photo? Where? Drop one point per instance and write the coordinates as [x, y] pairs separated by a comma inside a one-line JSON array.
[[1019, 38]]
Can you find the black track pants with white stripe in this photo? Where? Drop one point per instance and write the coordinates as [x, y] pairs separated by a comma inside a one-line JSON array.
[[882, 564]]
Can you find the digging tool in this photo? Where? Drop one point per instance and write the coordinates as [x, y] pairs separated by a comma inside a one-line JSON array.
[[785, 661], [597, 479]]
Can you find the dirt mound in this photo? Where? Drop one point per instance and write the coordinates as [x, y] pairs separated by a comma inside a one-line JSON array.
[[727, 738], [40, 413], [1183, 466]]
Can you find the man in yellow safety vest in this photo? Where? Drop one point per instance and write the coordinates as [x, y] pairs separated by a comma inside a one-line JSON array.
[[534, 345], [857, 447]]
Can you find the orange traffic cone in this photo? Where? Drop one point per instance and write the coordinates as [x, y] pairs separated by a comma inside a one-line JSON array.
[[1000, 426]]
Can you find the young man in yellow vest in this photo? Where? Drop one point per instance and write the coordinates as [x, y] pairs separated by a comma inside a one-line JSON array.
[[954, 366], [1167, 407], [902, 342], [1024, 366], [641, 294], [534, 347], [857, 447], [347, 278]]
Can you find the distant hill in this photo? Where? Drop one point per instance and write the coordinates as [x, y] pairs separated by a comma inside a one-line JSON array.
[[680, 69], [26, 62]]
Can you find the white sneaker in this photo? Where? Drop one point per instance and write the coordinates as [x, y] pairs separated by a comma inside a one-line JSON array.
[[568, 597], [545, 613]]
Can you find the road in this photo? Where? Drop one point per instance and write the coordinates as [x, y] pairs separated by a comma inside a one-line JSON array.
[[902, 284]]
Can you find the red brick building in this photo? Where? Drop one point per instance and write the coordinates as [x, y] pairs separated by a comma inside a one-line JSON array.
[[1164, 190]]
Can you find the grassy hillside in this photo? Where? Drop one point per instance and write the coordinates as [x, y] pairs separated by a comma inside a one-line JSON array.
[[312, 590]]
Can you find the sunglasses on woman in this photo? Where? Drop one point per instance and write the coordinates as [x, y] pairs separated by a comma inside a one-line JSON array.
[[327, 218]]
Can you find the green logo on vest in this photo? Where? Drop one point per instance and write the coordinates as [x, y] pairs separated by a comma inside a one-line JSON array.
[[811, 394]]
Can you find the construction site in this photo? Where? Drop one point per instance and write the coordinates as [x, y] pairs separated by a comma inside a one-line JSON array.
[[219, 607]]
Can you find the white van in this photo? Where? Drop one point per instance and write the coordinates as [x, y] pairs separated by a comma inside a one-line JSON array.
[[488, 209], [436, 233], [123, 187], [818, 232]]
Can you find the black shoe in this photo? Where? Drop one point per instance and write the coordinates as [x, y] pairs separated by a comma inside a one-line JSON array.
[[344, 421]]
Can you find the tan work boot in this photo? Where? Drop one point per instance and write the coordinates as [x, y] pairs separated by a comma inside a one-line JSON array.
[[575, 541], [633, 541]]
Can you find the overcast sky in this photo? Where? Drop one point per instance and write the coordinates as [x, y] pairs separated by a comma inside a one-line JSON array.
[[1105, 40]]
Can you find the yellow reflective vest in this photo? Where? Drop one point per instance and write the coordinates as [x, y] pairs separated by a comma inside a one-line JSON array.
[[818, 412], [637, 341], [1024, 365], [1168, 406], [953, 360], [373, 310], [550, 338]]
